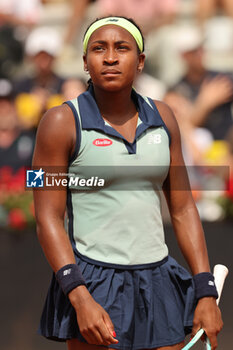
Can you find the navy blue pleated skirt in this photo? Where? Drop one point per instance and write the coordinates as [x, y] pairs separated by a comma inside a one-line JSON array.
[[149, 307]]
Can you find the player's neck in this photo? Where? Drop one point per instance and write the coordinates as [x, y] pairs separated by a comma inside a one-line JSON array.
[[115, 106]]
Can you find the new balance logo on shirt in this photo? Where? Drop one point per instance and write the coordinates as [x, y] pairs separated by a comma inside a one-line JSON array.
[[154, 139]]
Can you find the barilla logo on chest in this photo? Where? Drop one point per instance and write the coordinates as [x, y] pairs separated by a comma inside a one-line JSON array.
[[102, 142]]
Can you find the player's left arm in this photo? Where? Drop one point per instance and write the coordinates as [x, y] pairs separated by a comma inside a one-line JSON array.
[[187, 226]]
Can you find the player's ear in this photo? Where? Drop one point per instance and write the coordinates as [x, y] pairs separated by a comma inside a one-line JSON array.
[[85, 63], [141, 61]]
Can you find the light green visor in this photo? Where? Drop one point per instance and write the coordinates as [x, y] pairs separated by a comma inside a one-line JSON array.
[[118, 21]]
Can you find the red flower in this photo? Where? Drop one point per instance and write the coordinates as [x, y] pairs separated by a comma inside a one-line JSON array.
[[229, 190], [17, 219], [17, 183], [12, 182]]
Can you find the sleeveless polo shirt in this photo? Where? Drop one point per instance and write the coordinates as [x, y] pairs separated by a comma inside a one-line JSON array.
[[120, 223]]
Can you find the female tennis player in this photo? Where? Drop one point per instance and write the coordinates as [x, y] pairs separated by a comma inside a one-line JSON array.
[[114, 284]]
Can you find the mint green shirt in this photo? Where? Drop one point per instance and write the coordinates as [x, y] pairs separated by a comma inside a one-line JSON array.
[[119, 222]]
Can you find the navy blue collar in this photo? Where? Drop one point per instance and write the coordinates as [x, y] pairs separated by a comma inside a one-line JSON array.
[[92, 120]]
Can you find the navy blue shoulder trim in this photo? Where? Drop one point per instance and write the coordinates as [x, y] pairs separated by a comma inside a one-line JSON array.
[[159, 116], [78, 132]]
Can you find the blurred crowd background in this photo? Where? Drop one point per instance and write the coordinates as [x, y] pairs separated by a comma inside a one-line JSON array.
[[189, 65]]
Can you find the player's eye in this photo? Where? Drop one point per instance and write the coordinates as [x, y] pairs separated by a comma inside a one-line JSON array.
[[123, 47], [98, 48]]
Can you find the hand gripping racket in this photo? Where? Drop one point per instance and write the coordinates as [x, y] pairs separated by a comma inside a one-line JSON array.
[[220, 274]]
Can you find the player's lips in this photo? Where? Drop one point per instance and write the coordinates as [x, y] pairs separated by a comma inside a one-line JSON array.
[[110, 72]]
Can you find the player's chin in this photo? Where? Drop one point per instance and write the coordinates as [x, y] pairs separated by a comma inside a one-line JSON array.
[[115, 85]]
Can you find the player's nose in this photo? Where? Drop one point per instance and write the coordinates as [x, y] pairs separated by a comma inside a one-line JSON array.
[[110, 57]]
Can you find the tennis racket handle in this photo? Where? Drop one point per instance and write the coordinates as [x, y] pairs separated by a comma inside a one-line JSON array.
[[220, 273]]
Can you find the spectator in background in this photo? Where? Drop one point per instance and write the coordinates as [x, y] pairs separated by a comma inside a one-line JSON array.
[[202, 104], [209, 92], [16, 149], [11, 52], [30, 107], [42, 47], [72, 87], [16, 145], [195, 140], [16, 19]]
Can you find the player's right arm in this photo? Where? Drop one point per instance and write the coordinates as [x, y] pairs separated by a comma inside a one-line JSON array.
[[55, 143]]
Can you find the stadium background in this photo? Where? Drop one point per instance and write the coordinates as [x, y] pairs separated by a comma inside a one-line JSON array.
[[41, 66]]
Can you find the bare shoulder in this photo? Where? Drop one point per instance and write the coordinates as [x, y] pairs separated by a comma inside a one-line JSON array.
[[57, 119], [55, 135], [168, 117]]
